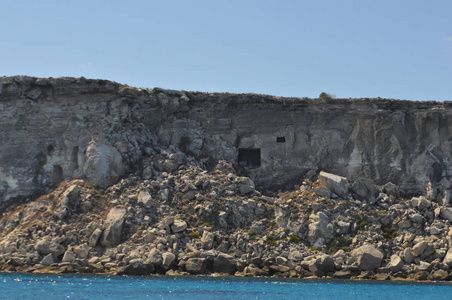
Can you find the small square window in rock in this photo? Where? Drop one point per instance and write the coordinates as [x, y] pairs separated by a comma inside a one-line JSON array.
[[281, 139], [249, 157]]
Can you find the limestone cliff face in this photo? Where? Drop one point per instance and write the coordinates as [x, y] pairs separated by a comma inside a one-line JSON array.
[[60, 129]]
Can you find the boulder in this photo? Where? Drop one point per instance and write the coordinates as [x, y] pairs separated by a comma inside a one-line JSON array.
[[419, 248], [368, 257], [82, 250], [224, 263], [69, 256], [145, 198], [448, 258], [135, 267], [94, 238], [48, 260], [446, 213], [420, 202], [102, 163], [395, 264], [335, 183], [168, 261], [324, 264], [45, 247], [322, 191], [178, 226], [207, 240], [245, 185], [196, 265], [320, 229], [364, 189], [155, 257], [113, 227]]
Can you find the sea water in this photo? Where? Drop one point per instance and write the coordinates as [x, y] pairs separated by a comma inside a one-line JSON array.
[[33, 286]]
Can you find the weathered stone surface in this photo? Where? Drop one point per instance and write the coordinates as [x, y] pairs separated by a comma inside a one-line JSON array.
[[395, 264], [448, 258], [335, 183], [48, 260], [45, 247], [446, 213], [196, 265], [135, 267], [324, 264], [322, 191], [419, 248], [95, 236], [207, 240], [145, 198], [364, 189], [178, 226], [69, 257], [103, 163], [368, 257], [113, 227], [81, 250], [168, 260], [224, 263]]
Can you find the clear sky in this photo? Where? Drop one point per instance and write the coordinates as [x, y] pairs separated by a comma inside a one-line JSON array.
[[364, 48]]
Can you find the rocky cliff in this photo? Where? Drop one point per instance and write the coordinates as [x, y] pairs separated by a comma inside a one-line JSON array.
[[55, 130]]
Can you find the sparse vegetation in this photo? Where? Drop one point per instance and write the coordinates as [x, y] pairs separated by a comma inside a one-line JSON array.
[[324, 95], [252, 234], [293, 238], [194, 235]]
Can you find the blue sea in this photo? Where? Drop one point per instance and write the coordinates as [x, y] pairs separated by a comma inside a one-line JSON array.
[[33, 286]]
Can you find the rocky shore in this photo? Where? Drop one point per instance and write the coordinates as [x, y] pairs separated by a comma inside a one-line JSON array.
[[177, 215]]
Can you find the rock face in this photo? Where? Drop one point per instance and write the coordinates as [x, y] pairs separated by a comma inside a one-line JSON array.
[[68, 128]]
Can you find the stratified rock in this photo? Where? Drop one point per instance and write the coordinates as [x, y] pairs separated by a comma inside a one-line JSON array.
[[368, 257], [113, 227], [335, 183]]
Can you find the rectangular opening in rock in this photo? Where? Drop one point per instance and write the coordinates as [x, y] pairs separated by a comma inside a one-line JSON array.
[[281, 139], [249, 157]]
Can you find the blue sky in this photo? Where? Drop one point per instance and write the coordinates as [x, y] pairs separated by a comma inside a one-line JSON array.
[[392, 49]]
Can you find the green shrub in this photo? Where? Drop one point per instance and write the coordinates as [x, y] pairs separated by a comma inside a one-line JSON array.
[[271, 240], [10, 229], [293, 238], [206, 224], [324, 95], [194, 235], [389, 233], [362, 225], [252, 234]]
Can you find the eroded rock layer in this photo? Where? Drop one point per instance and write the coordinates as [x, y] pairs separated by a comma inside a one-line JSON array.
[[55, 130]]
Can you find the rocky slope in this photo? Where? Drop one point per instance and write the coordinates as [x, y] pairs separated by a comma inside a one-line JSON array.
[[55, 130], [189, 219]]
